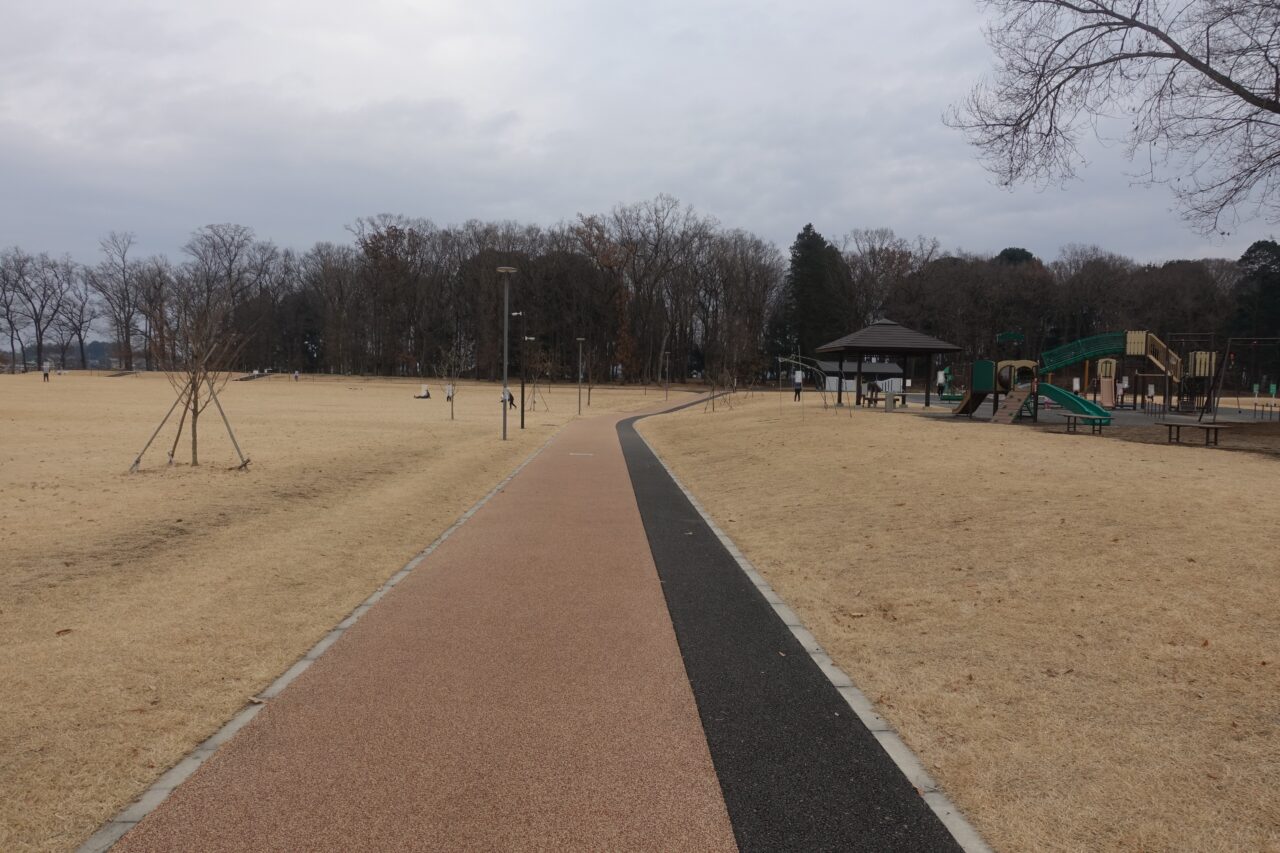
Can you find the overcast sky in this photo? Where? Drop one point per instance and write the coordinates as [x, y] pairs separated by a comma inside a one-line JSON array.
[[296, 118]]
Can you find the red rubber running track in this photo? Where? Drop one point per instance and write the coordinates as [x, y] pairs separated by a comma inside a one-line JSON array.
[[521, 689]]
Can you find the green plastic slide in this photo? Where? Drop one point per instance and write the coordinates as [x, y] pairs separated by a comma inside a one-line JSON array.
[[1071, 402]]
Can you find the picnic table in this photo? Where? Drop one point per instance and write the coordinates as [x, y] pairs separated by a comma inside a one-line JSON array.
[[875, 398], [1095, 422], [1210, 431]]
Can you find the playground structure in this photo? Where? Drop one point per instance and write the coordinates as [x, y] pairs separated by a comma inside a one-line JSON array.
[[1217, 383], [950, 393], [1105, 352], [1012, 398]]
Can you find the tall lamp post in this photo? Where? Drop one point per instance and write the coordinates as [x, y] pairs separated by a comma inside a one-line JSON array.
[[505, 272], [666, 389], [580, 340]]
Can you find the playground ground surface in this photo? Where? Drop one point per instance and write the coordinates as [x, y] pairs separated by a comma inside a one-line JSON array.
[[1077, 635], [129, 632], [1250, 437]]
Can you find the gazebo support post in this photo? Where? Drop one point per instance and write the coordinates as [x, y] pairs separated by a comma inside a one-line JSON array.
[[930, 364], [857, 391], [840, 383]]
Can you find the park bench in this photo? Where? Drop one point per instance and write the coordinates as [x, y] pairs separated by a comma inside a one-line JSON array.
[[1210, 431], [1095, 422]]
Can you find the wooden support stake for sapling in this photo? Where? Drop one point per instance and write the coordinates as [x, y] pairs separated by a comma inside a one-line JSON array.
[[228, 424], [138, 461], [181, 422]]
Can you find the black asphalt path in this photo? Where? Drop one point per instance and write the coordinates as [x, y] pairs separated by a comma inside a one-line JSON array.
[[798, 769]]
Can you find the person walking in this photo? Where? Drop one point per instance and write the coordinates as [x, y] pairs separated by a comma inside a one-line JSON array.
[[511, 400], [45, 368], [797, 380], [448, 393]]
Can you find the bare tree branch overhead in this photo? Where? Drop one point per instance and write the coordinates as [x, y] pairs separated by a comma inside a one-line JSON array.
[[1194, 86]]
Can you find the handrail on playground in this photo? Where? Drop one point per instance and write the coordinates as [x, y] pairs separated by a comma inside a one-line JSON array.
[[1091, 347]]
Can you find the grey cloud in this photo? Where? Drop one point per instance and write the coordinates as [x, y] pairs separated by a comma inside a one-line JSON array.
[[160, 118]]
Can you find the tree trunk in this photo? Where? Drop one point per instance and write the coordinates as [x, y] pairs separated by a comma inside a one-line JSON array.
[[126, 348], [195, 414], [84, 361]]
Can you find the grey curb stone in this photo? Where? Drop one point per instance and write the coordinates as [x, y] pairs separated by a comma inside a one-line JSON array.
[[907, 761], [323, 646], [866, 711], [104, 839], [953, 820], [806, 639]]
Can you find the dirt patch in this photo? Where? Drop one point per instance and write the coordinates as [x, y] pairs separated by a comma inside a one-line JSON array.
[[138, 612], [1078, 636]]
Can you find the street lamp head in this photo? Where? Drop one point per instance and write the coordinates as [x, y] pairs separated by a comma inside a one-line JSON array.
[[506, 270], [517, 313], [580, 339], [527, 338]]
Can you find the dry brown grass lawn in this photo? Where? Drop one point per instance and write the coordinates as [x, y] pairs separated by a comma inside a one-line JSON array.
[[137, 613], [1079, 636]]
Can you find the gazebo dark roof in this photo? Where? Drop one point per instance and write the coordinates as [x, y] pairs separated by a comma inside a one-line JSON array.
[[885, 337]]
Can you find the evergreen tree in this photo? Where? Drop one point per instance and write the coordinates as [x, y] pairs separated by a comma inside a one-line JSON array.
[[817, 292], [1014, 255], [1258, 291]]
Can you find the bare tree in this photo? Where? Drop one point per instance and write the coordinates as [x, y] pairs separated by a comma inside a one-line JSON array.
[[151, 279], [41, 294], [15, 267], [225, 266], [79, 310], [1195, 83], [115, 280], [1090, 283], [878, 262]]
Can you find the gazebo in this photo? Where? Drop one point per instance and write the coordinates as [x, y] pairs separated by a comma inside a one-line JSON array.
[[884, 338]]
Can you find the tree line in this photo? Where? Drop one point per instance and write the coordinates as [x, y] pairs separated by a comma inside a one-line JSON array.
[[647, 286], [970, 300], [652, 288]]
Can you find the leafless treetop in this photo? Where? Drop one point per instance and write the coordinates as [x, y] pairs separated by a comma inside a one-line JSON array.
[[1195, 84]]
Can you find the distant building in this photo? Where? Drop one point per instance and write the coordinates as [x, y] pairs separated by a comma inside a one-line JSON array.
[[885, 373]]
